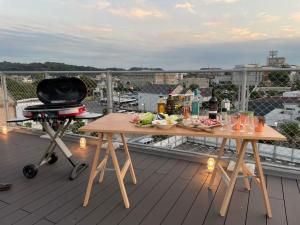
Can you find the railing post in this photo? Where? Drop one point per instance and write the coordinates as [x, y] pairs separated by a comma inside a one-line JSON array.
[[244, 90], [5, 97], [109, 94]]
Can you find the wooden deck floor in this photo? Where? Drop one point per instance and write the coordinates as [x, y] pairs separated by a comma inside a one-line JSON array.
[[168, 192]]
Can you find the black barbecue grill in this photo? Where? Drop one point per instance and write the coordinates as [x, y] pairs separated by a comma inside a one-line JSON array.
[[61, 98]]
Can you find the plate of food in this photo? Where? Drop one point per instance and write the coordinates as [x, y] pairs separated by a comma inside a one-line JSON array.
[[200, 124], [143, 119], [164, 124], [205, 123]]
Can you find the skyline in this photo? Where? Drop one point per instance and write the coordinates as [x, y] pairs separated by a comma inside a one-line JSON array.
[[169, 34]]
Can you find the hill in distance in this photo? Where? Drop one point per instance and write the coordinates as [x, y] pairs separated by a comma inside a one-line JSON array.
[[54, 66]]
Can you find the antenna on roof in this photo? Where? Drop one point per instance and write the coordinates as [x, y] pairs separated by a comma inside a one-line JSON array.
[[273, 53]]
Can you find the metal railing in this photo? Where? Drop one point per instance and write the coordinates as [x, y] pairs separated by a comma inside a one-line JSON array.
[[269, 92]]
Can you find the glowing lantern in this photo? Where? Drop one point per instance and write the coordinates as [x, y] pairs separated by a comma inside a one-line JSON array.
[[82, 143], [4, 130], [210, 164]]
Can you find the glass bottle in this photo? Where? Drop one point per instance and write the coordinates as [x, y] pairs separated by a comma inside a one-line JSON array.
[[161, 105], [170, 105], [213, 106], [225, 107], [196, 104]]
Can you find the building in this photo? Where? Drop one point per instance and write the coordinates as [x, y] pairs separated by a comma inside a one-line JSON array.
[[168, 78], [274, 61], [136, 79], [145, 78], [200, 81], [148, 96]]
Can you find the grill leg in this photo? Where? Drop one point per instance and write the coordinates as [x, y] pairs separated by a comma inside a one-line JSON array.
[[55, 140], [51, 147]]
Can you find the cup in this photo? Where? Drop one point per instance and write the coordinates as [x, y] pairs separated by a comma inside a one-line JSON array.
[[235, 122], [259, 124]]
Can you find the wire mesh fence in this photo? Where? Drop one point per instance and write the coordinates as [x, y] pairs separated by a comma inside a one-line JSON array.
[[273, 94]]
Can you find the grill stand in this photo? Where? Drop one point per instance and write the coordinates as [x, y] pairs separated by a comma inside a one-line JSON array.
[[56, 141], [49, 155]]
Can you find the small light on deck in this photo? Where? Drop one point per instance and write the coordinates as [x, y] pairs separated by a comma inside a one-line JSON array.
[[4, 130], [82, 143], [210, 164]]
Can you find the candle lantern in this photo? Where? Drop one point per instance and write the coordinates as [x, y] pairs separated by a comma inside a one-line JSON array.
[[82, 143], [210, 164]]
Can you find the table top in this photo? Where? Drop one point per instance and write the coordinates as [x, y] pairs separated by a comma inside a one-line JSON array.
[[119, 123]]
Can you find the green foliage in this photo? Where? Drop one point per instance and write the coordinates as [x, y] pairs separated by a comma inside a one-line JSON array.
[[20, 90], [105, 111], [28, 124], [90, 84], [194, 87], [296, 85], [75, 126], [279, 78], [94, 134], [291, 129], [47, 66], [255, 94]]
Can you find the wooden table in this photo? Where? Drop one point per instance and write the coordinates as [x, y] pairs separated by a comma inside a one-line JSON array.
[[116, 123]]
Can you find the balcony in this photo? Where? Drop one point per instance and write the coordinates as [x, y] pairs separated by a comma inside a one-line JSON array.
[[171, 171], [169, 191]]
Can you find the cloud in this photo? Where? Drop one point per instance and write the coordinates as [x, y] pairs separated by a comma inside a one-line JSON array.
[[185, 5], [138, 13], [222, 1], [213, 23], [246, 34], [267, 17], [295, 17], [289, 32], [102, 4]]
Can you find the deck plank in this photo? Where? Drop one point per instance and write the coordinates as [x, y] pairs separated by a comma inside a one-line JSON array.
[[202, 203], [168, 192], [256, 210], [98, 208], [291, 199], [274, 187], [141, 210], [184, 203], [237, 210], [161, 209]]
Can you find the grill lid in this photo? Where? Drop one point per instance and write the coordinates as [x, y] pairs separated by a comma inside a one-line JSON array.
[[61, 90]]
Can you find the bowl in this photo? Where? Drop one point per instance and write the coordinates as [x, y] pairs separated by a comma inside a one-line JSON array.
[[163, 124]]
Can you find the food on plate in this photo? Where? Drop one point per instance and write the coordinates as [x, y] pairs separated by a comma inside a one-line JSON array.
[[202, 122], [143, 119], [164, 124]]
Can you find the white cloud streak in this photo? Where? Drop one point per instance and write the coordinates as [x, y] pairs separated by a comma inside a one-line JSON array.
[[185, 5]]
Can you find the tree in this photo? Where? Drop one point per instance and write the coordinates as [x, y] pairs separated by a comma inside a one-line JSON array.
[[291, 129], [279, 78], [19, 90], [194, 87], [296, 85], [90, 84]]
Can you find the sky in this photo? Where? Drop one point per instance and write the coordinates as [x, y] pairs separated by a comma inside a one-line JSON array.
[[171, 34]]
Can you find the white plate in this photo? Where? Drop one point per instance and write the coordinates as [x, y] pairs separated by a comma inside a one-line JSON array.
[[162, 124]]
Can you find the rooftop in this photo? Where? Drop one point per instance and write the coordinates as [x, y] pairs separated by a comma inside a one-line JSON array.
[[168, 191]]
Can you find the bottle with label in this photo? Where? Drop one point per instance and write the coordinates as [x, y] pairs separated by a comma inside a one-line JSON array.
[[196, 104], [170, 105], [213, 106], [161, 105], [225, 107]]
